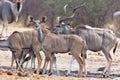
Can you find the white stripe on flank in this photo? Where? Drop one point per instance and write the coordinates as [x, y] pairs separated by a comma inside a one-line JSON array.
[[89, 27]]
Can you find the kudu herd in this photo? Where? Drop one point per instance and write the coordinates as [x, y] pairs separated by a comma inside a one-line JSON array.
[[52, 43], [104, 40], [96, 39], [62, 39]]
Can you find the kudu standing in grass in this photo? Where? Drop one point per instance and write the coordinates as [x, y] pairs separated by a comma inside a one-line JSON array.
[[9, 12], [53, 43], [18, 41], [96, 39]]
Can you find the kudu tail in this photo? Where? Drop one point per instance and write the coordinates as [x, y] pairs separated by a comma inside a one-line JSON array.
[[115, 47]]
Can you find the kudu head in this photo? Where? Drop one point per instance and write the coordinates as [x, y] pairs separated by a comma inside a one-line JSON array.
[[32, 21], [64, 29], [38, 25], [64, 23], [16, 8], [69, 19]]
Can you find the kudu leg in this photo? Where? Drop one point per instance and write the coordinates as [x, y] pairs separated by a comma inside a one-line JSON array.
[[32, 57], [53, 61], [26, 65], [26, 59], [71, 62], [45, 64], [17, 55], [109, 61], [81, 64], [51, 65], [16, 59], [39, 59], [4, 27], [12, 60], [33, 61], [58, 73], [22, 58], [84, 56], [32, 66], [56, 67]]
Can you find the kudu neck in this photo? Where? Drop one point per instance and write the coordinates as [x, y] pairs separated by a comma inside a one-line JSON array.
[[42, 32], [69, 30]]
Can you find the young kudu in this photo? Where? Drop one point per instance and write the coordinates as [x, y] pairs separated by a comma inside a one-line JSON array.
[[18, 41], [52, 43]]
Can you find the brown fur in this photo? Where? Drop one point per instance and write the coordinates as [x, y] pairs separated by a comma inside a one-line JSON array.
[[25, 40], [54, 43]]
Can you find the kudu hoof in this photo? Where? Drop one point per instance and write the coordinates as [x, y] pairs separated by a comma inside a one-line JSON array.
[[67, 75], [36, 72], [40, 72], [49, 74], [84, 75], [105, 76]]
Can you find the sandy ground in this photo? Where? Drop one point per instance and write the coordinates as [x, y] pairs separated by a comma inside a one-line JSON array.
[[95, 66]]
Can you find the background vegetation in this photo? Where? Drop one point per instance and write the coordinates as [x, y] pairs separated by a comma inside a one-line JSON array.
[[96, 12]]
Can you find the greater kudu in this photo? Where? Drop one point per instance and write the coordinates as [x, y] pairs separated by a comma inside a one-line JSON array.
[[18, 41], [53, 43], [9, 12], [97, 39]]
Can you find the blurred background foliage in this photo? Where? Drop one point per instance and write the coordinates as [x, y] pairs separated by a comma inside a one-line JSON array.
[[96, 13]]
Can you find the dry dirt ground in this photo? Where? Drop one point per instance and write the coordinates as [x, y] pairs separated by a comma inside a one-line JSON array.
[[95, 66]]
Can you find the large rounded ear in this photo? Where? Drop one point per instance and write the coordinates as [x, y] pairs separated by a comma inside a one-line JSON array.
[[44, 19], [30, 18]]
